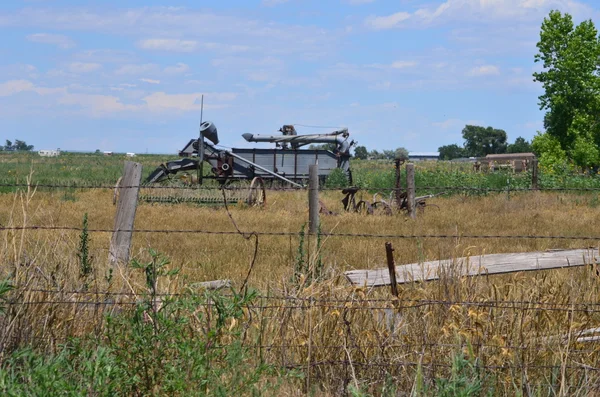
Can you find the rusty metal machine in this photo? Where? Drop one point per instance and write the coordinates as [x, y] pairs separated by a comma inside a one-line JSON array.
[[244, 172]]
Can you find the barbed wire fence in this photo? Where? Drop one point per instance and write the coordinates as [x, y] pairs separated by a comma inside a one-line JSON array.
[[103, 299]]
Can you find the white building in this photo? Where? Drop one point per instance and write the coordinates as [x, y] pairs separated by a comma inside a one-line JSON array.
[[130, 154], [423, 156], [49, 153]]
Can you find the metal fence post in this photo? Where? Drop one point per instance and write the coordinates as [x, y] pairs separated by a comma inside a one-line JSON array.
[[410, 190], [313, 199]]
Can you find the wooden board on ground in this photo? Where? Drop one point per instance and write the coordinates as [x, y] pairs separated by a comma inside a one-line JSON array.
[[475, 266]]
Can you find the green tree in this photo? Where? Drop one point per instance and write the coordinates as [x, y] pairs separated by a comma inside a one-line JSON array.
[[520, 146], [570, 56], [401, 153], [549, 151], [450, 152], [361, 153], [18, 145], [481, 141], [375, 155], [22, 146]]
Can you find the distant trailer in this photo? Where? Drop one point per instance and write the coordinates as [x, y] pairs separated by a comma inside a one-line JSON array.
[[130, 154], [49, 153], [107, 153], [516, 162], [423, 156]]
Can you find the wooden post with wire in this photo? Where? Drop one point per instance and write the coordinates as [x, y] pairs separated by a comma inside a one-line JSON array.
[[534, 174], [410, 190], [398, 185], [120, 243], [313, 199], [389, 250]]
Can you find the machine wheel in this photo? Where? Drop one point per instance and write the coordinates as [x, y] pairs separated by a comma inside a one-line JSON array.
[[257, 196]]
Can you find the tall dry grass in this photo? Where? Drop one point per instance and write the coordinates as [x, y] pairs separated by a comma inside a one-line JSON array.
[[338, 335]]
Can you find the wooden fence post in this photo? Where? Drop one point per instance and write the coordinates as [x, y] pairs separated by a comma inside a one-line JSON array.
[[120, 242], [410, 190], [534, 174], [392, 268], [313, 199], [398, 185]]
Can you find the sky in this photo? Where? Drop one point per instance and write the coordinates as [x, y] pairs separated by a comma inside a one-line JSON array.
[[128, 76]]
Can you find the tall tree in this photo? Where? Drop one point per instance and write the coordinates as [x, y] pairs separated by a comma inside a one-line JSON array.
[[361, 153], [401, 153], [481, 141], [450, 152], [520, 146], [22, 146], [570, 56]]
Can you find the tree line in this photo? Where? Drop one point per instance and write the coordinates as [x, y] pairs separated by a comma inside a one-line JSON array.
[[481, 141], [18, 145]]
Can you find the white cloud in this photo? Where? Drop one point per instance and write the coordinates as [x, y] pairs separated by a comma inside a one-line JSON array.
[[83, 67], [179, 68], [160, 101], [484, 70], [387, 22], [137, 69], [97, 105], [13, 87], [150, 81], [59, 40], [174, 45], [166, 28], [358, 2], [478, 10], [403, 64]]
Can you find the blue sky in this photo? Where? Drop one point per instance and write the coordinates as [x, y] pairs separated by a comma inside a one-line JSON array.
[[128, 75]]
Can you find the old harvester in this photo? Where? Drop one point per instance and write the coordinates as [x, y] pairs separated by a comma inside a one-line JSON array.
[[244, 172]]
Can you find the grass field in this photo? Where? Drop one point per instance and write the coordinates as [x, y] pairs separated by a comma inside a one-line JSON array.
[[331, 338]]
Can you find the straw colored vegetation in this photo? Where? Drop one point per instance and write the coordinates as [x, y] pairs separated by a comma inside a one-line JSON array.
[[502, 335]]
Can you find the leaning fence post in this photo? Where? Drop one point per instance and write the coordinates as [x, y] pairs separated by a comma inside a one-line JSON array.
[[313, 199], [410, 190], [120, 242], [534, 174], [392, 268]]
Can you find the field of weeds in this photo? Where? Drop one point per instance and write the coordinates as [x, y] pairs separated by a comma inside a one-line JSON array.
[[72, 323]]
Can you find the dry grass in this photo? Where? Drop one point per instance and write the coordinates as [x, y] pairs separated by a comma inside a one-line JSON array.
[[359, 334]]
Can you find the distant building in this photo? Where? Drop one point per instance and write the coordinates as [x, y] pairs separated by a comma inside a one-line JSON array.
[[517, 162], [423, 156], [108, 153], [49, 153], [130, 154]]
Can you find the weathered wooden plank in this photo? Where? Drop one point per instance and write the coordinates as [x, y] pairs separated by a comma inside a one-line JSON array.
[[474, 266], [120, 242], [215, 284]]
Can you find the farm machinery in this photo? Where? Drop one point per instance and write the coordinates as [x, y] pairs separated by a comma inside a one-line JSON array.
[[240, 174]]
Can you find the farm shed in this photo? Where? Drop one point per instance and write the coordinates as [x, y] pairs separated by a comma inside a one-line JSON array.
[[49, 153], [517, 162], [424, 156], [130, 154], [108, 153]]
